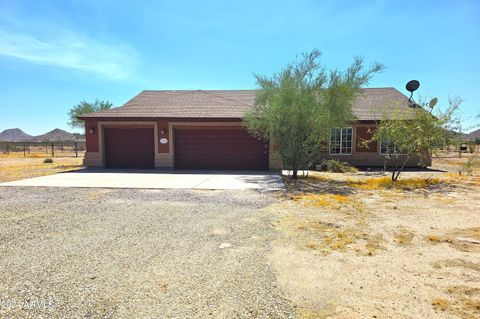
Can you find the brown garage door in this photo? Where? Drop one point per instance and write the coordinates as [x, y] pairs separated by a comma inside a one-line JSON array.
[[129, 147], [222, 148]]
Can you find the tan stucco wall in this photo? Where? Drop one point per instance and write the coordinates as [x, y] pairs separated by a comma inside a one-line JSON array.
[[92, 159]]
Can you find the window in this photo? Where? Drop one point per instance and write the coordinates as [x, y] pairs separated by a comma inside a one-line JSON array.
[[388, 147], [341, 141]]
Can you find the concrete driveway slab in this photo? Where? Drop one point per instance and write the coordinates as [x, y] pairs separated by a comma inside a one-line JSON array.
[[157, 179]]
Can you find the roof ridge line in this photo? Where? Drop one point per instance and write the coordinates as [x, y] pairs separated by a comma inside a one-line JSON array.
[[222, 97]]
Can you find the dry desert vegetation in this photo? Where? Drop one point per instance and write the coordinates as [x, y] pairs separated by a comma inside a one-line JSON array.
[[15, 166], [355, 246]]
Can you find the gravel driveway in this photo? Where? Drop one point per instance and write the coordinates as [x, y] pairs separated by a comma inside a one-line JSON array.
[[90, 253]]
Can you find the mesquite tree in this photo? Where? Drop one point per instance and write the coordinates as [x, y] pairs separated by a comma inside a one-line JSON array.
[[85, 107], [417, 134], [296, 108]]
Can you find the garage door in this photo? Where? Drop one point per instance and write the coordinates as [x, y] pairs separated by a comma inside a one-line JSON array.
[[129, 147], [229, 149]]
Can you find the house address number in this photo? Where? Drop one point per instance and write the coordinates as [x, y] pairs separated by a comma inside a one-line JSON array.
[[163, 141]]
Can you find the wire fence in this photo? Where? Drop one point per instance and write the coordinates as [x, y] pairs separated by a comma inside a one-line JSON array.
[[43, 149]]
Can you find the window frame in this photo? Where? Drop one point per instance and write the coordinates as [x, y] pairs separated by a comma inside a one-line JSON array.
[[341, 140], [395, 150]]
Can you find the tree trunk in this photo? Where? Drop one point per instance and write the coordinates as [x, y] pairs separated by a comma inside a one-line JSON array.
[[398, 170], [295, 174]]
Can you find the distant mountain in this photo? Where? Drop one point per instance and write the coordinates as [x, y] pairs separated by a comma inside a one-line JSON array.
[[56, 135], [474, 135], [15, 135]]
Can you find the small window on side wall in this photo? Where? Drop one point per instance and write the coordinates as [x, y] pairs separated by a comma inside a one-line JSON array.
[[341, 141]]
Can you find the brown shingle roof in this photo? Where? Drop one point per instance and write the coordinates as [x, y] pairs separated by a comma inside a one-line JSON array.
[[372, 104]]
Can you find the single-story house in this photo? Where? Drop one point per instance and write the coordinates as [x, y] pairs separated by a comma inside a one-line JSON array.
[[203, 129]]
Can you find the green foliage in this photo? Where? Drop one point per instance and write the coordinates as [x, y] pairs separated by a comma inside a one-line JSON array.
[[469, 166], [418, 135], [336, 166], [296, 107], [85, 107], [477, 140], [48, 161]]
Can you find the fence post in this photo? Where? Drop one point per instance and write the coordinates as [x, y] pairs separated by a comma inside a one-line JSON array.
[[53, 149], [76, 149], [24, 150], [28, 146], [46, 148], [8, 148]]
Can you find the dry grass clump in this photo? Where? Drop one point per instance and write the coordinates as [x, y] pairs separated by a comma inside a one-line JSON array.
[[339, 240], [467, 239], [463, 179], [374, 243], [458, 263], [334, 240], [322, 200], [473, 232], [385, 182], [403, 237], [327, 237], [441, 303], [438, 239], [465, 302]]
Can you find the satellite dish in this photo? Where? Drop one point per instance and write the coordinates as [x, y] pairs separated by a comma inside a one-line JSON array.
[[412, 86], [433, 102]]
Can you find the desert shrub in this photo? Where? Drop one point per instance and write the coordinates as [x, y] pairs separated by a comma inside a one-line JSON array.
[[48, 161], [471, 148], [337, 166], [469, 166]]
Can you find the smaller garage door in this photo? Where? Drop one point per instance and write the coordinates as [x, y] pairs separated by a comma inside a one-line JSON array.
[[129, 147]]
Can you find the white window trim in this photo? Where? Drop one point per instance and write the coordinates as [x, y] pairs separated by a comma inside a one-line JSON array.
[[330, 143]]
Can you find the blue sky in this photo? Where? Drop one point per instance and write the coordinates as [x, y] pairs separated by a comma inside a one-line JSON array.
[[54, 54]]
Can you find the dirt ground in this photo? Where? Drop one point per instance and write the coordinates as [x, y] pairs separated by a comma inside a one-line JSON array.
[[14, 166], [355, 247], [352, 246], [137, 253]]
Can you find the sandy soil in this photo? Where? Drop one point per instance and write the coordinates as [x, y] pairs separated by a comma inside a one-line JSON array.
[[13, 167], [350, 252]]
